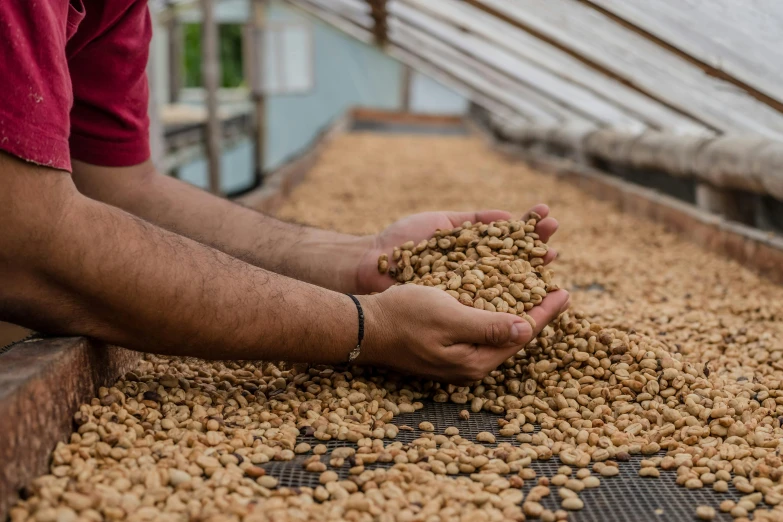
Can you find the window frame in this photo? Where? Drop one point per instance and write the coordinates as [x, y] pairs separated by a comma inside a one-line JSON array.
[[277, 29]]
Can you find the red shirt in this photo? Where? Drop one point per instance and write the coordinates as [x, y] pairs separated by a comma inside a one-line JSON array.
[[73, 81]]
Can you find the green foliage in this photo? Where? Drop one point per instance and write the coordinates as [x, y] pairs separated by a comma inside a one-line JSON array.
[[192, 55], [230, 55]]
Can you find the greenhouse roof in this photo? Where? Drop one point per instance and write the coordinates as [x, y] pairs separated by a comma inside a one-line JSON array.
[[685, 67]]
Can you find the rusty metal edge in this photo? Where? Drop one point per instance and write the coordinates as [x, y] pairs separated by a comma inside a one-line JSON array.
[[42, 384], [757, 250], [404, 117]]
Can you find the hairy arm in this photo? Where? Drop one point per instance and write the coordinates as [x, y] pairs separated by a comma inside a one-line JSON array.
[[324, 258], [73, 265]]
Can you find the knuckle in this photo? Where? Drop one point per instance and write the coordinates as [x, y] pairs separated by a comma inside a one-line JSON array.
[[494, 334]]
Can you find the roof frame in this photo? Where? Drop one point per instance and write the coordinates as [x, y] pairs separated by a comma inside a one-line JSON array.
[[351, 28], [603, 44], [556, 62], [669, 24], [531, 105], [552, 87]]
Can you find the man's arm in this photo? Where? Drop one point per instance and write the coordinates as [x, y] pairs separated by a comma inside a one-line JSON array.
[[329, 259], [324, 258], [73, 265]]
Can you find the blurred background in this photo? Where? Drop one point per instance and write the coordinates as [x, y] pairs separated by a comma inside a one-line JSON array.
[[308, 72]]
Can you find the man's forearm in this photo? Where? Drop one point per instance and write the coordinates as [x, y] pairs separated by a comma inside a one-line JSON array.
[[72, 265], [324, 258]]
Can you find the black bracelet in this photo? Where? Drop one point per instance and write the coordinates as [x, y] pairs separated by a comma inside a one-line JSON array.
[[356, 351]]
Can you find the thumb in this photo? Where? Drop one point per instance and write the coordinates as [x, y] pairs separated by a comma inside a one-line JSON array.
[[491, 328]]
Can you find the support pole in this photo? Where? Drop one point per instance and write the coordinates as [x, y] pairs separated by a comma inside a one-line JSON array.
[[256, 68], [405, 88], [176, 64], [210, 69], [156, 131], [157, 138], [379, 16]]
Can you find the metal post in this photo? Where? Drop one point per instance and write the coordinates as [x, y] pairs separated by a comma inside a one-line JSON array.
[[210, 69]]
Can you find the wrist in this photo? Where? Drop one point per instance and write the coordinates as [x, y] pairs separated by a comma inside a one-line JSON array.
[[335, 259], [374, 332], [363, 263], [367, 278]]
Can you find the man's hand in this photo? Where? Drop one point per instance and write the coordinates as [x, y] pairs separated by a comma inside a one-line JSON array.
[[424, 331], [423, 226]]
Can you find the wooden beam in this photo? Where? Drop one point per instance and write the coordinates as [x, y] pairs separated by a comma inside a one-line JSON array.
[[258, 21], [405, 88], [176, 43], [210, 69], [156, 134], [379, 16]]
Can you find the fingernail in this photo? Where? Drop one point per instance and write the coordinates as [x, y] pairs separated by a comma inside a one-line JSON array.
[[518, 332], [566, 306]]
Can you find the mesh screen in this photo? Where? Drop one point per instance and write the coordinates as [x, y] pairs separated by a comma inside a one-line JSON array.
[[623, 498]]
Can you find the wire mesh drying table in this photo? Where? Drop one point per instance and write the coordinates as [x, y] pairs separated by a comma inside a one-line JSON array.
[[626, 497]]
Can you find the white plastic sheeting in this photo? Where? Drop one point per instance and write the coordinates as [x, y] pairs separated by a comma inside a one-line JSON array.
[[557, 61], [637, 60], [535, 79], [740, 37], [553, 62]]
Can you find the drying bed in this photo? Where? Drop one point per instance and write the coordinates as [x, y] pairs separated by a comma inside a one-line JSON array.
[[626, 497]]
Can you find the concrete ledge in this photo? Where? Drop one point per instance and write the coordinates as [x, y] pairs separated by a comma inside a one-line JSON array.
[[42, 384]]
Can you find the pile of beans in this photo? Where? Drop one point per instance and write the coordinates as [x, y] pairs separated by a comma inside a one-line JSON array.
[[498, 267], [669, 352]]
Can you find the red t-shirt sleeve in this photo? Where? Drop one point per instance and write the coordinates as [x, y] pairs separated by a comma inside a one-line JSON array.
[[107, 58], [35, 87]]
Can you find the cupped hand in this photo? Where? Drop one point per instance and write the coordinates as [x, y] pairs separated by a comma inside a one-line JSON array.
[[422, 226], [424, 331]]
